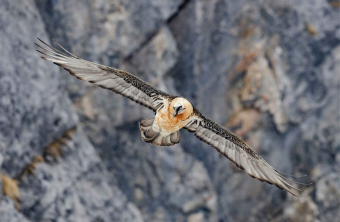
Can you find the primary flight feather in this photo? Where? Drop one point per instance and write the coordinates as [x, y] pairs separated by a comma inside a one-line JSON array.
[[172, 114]]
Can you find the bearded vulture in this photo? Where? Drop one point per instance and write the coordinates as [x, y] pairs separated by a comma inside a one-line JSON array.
[[171, 114]]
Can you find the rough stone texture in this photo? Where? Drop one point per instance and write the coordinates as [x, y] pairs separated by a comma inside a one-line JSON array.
[[33, 102], [35, 110], [104, 31], [120, 26], [9, 213], [267, 69], [164, 182], [75, 188], [274, 64], [1, 159], [155, 59]]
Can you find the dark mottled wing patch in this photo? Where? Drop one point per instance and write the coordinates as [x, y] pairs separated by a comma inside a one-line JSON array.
[[105, 77], [237, 151]]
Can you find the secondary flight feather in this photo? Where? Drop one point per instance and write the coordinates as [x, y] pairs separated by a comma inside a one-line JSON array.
[[171, 114]]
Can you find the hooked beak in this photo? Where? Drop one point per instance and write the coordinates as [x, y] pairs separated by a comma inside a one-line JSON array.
[[176, 110]]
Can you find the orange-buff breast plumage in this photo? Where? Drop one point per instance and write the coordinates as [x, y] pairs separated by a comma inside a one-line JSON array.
[[166, 120]]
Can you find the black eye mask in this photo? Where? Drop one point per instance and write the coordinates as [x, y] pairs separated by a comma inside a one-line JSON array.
[[176, 110]]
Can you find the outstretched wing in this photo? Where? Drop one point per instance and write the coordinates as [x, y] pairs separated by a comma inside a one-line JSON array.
[[238, 152], [105, 77]]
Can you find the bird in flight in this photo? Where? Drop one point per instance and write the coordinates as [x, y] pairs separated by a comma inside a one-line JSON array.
[[171, 114]]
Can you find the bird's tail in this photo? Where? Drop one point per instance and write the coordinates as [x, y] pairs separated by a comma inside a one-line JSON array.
[[155, 138]]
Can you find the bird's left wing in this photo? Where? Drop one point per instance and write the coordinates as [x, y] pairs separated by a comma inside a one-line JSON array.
[[238, 152], [105, 77]]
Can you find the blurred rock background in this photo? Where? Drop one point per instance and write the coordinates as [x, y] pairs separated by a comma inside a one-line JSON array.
[[267, 69]]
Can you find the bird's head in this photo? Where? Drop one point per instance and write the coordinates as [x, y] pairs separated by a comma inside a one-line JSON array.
[[180, 108]]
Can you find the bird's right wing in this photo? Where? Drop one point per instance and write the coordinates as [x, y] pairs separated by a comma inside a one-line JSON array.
[[106, 77], [237, 151]]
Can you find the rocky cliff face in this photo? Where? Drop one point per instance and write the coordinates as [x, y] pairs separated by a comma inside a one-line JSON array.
[[268, 70]]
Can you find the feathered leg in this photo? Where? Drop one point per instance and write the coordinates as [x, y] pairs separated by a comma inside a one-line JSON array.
[[149, 135]]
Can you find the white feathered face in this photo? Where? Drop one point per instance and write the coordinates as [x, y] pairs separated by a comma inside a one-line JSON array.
[[178, 109]]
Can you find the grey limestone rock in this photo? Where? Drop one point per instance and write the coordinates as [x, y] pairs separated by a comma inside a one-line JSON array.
[[9, 213], [33, 102], [223, 53], [35, 110], [267, 70], [164, 182], [75, 188]]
